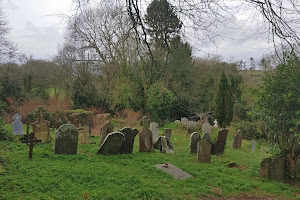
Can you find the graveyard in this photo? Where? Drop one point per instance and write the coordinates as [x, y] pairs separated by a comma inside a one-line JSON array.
[[86, 174]]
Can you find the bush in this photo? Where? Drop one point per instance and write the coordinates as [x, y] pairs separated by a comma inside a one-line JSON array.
[[249, 130]]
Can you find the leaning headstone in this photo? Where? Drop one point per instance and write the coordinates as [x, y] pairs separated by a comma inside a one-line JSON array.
[[85, 135], [66, 139], [206, 137], [145, 136], [265, 167], [17, 125], [204, 151], [174, 171], [129, 135], [107, 128], [164, 145], [237, 140], [155, 131], [191, 127], [41, 128], [206, 128], [221, 141], [168, 133], [253, 145], [277, 169], [112, 144], [194, 139]]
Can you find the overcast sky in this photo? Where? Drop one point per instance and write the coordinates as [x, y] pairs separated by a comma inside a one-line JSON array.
[[38, 29]]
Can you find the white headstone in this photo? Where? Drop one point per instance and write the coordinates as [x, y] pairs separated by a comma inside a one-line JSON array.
[[216, 123], [17, 125], [155, 131], [184, 120]]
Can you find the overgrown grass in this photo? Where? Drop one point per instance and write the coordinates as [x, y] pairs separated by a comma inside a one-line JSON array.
[[90, 176]]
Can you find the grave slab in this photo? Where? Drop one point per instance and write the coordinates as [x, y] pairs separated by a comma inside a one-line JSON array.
[[174, 171]]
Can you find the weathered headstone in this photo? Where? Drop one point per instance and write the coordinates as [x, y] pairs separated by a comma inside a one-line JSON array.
[[265, 167], [168, 133], [177, 121], [194, 139], [206, 128], [253, 145], [221, 141], [155, 131], [17, 125], [145, 136], [206, 137], [41, 128], [31, 142], [237, 140], [66, 139], [204, 151], [216, 123], [277, 169], [191, 127], [129, 135], [184, 120], [164, 145], [174, 171], [112, 144], [107, 128], [85, 139]]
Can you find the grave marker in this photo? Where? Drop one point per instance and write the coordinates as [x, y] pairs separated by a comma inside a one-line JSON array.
[[174, 171], [204, 151], [66, 139], [237, 140], [17, 125], [41, 128], [112, 144], [221, 141], [194, 139], [129, 135], [107, 128], [168, 133], [31, 142], [206, 128], [145, 136], [155, 131]]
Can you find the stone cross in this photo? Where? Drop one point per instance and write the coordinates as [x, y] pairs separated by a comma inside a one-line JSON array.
[[31, 142]]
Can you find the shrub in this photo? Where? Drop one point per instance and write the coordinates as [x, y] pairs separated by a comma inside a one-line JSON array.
[[249, 130]]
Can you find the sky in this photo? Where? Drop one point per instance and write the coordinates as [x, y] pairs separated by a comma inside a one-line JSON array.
[[38, 29]]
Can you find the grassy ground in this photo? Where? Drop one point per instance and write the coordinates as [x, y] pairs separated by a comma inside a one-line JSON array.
[[90, 176]]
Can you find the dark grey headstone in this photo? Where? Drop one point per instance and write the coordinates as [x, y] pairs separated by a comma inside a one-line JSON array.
[[129, 135], [237, 140], [17, 125], [277, 169], [221, 141], [265, 167], [206, 137], [112, 144], [194, 139], [66, 139], [174, 171], [204, 151]]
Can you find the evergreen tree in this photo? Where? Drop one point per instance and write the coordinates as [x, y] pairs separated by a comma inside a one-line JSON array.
[[224, 103], [163, 24]]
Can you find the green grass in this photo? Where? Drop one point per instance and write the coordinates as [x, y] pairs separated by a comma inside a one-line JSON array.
[[87, 175]]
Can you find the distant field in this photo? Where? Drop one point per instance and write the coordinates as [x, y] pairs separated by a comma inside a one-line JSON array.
[[90, 176]]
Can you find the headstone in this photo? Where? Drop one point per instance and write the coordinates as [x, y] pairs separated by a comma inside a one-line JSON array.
[[216, 123], [184, 120], [204, 151], [221, 141], [191, 127], [237, 140], [177, 121], [129, 135], [66, 139], [155, 131], [107, 128], [85, 138], [167, 133], [41, 128], [164, 145], [194, 139], [206, 137], [112, 144], [145, 136], [174, 171], [206, 128], [17, 125], [265, 167], [253, 145], [31, 142], [277, 169]]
